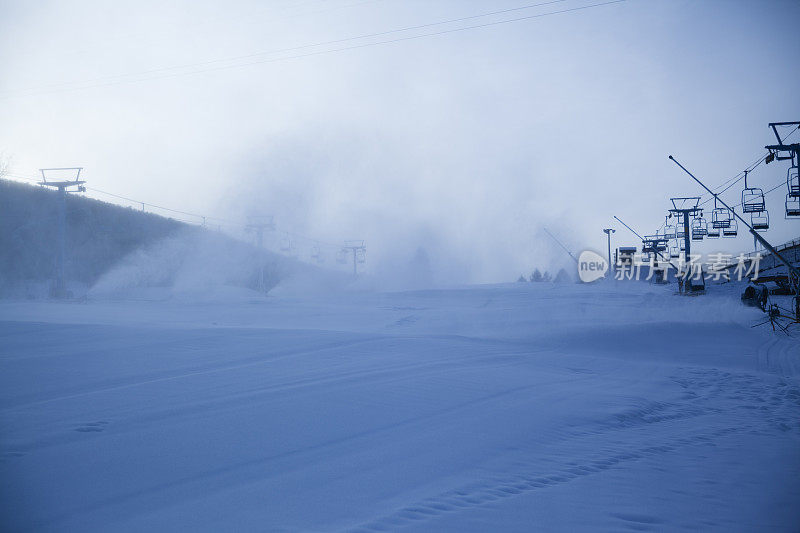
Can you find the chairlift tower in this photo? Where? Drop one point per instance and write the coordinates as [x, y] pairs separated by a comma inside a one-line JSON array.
[[685, 207], [64, 180], [259, 224], [359, 251], [792, 177], [653, 244], [608, 232], [776, 149]]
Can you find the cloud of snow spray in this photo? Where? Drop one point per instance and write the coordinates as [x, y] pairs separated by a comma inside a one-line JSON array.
[[427, 216], [206, 265]]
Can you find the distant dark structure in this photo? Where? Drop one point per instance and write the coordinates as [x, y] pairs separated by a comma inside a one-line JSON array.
[[359, 251], [63, 181]]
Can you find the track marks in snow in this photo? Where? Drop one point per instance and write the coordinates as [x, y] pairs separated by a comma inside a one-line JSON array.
[[638, 522], [780, 356], [210, 369], [92, 427], [528, 479], [758, 401], [11, 455], [406, 321], [731, 402], [655, 412]]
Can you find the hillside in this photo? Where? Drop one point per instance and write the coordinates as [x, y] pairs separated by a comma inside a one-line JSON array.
[[112, 248]]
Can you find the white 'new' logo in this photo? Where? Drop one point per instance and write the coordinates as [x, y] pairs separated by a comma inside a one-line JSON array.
[[591, 266]]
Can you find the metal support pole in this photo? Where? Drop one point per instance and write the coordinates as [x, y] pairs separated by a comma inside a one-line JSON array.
[[62, 187], [62, 245], [686, 238], [611, 266]]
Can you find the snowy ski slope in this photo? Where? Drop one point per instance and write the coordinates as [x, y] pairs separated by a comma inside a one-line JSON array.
[[494, 408]]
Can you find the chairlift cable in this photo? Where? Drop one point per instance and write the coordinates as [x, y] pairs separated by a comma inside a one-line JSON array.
[[304, 46], [177, 211], [738, 177], [169, 73]]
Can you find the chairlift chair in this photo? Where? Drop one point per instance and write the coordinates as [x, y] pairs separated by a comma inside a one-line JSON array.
[[720, 216], [669, 229], [654, 244], [752, 198], [315, 253], [674, 250], [680, 229], [760, 220], [792, 206], [733, 229], [712, 232], [793, 182], [286, 244], [699, 228], [361, 256]]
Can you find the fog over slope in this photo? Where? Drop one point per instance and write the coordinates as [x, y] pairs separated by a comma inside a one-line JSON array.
[[117, 251]]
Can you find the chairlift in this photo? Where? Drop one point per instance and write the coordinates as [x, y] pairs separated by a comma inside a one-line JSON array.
[[669, 229], [674, 250], [315, 253], [720, 216], [286, 244], [733, 229], [793, 182], [699, 228], [654, 244], [792, 206], [711, 231], [680, 228], [361, 256], [760, 220], [752, 198]]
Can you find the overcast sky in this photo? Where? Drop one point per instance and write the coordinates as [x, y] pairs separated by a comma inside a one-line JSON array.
[[464, 143]]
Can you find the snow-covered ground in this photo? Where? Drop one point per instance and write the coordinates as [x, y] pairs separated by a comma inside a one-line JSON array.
[[525, 407]]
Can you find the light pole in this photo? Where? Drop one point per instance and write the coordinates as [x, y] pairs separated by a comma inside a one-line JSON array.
[[608, 232]]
